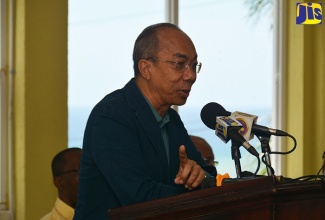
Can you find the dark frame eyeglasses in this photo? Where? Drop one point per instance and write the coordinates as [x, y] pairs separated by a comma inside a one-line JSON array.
[[182, 66], [208, 161], [69, 171]]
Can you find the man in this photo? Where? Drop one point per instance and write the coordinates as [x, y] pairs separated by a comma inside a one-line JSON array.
[[135, 145], [205, 150], [65, 170]]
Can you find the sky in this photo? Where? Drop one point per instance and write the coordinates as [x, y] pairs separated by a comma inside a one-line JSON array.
[[236, 52]]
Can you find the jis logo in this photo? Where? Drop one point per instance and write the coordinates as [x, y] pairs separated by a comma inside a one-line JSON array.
[[309, 13]]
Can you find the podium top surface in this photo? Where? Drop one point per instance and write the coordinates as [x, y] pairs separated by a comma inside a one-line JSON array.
[[250, 192]]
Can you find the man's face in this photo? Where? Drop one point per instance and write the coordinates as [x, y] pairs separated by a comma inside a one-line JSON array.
[[70, 180], [205, 149], [170, 85]]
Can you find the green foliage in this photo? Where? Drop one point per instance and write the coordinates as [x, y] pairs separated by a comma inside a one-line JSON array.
[[259, 8]]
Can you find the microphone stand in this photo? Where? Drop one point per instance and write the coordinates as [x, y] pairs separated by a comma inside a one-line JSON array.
[[235, 154], [265, 139]]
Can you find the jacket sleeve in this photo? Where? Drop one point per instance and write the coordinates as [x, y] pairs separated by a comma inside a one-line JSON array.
[[118, 149]]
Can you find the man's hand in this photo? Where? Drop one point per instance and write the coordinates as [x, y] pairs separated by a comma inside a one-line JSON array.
[[189, 173]]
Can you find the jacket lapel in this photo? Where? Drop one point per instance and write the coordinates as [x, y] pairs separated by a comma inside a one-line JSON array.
[[174, 144], [138, 103]]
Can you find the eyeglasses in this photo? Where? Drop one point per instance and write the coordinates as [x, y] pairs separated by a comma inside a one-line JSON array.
[[209, 161], [69, 171], [183, 66]]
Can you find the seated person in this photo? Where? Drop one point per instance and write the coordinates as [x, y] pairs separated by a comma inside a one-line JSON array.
[[206, 152], [65, 171]]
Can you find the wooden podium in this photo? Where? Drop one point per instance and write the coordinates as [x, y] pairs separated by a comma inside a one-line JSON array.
[[259, 198]]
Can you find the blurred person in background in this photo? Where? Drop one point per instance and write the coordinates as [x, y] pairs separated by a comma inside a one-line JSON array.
[[65, 170]]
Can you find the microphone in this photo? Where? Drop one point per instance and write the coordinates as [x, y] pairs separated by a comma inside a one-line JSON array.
[[227, 128], [247, 121], [226, 131], [209, 113], [211, 110]]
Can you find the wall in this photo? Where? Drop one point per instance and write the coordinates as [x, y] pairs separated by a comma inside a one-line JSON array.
[[40, 102], [305, 94]]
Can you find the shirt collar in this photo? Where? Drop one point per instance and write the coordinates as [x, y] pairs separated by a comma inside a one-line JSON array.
[[161, 121], [64, 209]]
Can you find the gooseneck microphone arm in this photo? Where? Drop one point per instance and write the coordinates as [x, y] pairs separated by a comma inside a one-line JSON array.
[[235, 154], [265, 139]]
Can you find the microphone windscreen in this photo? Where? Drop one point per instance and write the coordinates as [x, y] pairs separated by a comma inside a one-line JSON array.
[[209, 113]]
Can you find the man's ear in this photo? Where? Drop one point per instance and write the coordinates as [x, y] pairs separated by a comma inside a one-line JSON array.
[[58, 182], [145, 68]]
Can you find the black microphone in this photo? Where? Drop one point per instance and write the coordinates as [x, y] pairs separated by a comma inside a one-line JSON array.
[[227, 128], [211, 110]]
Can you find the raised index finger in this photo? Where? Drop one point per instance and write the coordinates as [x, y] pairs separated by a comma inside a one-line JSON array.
[[182, 155]]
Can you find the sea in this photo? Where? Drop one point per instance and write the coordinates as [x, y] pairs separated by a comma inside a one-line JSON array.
[[78, 116]]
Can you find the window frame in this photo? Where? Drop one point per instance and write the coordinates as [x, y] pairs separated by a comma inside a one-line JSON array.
[[6, 94], [3, 110], [279, 82]]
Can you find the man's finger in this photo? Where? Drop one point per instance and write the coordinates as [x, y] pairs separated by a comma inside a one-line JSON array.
[[195, 179], [182, 155]]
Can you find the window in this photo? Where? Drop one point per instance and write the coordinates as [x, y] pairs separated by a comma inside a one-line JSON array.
[[101, 38], [235, 52]]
